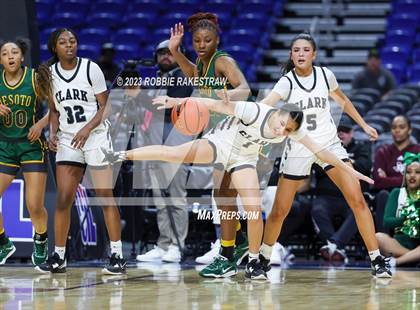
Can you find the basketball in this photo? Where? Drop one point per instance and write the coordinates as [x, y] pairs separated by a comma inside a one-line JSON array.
[[190, 117]]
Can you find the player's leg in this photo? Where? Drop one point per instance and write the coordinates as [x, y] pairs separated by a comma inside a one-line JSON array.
[[68, 177], [35, 197], [246, 182], [198, 151], [223, 265], [234, 244], [352, 192], [34, 168], [102, 181], [286, 191], [6, 246]]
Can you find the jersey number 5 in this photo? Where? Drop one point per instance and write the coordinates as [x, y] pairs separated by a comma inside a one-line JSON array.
[[75, 114], [311, 121]]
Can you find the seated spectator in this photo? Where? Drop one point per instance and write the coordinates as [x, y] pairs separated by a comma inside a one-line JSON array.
[[402, 215], [388, 167], [374, 75], [107, 64], [330, 203]]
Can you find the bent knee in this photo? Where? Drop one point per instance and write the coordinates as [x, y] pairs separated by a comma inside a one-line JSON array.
[[357, 203], [381, 236], [279, 213]]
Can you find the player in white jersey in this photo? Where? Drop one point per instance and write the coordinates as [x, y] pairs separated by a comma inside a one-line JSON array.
[[78, 131], [235, 141], [310, 87]]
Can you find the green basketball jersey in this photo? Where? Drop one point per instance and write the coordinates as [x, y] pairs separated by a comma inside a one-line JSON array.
[[207, 90], [21, 99]]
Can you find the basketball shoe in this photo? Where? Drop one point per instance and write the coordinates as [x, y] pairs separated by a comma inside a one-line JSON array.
[[6, 251], [54, 264], [221, 267]]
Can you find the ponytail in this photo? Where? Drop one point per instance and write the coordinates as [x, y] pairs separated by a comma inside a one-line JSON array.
[[44, 83]]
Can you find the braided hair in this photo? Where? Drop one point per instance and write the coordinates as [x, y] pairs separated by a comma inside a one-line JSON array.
[[201, 20]]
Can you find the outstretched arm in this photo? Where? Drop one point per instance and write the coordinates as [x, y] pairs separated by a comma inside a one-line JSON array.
[[332, 159], [227, 67], [349, 108], [187, 67]]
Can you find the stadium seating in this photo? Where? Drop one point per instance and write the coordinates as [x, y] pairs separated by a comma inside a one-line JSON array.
[[129, 24]]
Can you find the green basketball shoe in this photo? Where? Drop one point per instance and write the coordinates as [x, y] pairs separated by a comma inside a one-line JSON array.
[[221, 267], [6, 251], [240, 252], [40, 252]]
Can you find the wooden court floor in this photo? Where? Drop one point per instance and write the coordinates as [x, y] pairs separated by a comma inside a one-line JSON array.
[[170, 286]]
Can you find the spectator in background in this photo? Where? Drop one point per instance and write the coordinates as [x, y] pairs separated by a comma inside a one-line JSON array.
[[401, 215], [374, 75], [173, 180], [388, 167], [330, 202], [107, 64]]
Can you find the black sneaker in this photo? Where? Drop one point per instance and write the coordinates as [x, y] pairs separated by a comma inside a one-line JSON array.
[[381, 267], [54, 264], [254, 271], [265, 263], [116, 265]]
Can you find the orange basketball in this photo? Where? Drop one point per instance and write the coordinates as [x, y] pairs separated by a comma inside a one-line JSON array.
[[190, 117]]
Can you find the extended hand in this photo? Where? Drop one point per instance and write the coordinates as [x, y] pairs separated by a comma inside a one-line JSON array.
[[177, 33], [113, 157], [164, 102], [362, 177], [371, 132]]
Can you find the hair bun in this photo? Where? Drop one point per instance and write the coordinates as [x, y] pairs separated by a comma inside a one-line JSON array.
[[197, 17]]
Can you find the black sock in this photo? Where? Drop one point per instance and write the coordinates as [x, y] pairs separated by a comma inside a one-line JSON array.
[[40, 237], [3, 238], [227, 252], [239, 237]]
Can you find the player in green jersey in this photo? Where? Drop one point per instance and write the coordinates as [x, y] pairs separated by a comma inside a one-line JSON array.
[[213, 63], [22, 145]]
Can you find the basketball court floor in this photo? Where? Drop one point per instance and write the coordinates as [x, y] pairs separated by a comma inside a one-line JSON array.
[[174, 286]]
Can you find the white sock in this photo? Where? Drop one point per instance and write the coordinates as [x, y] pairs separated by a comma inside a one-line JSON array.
[[116, 247], [266, 250], [252, 256], [374, 254], [61, 251]]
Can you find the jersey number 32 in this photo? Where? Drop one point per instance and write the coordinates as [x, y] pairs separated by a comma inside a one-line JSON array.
[[75, 114]]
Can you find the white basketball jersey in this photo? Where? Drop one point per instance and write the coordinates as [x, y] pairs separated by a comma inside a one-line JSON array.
[[247, 139], [315, 105], [74, 97]]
